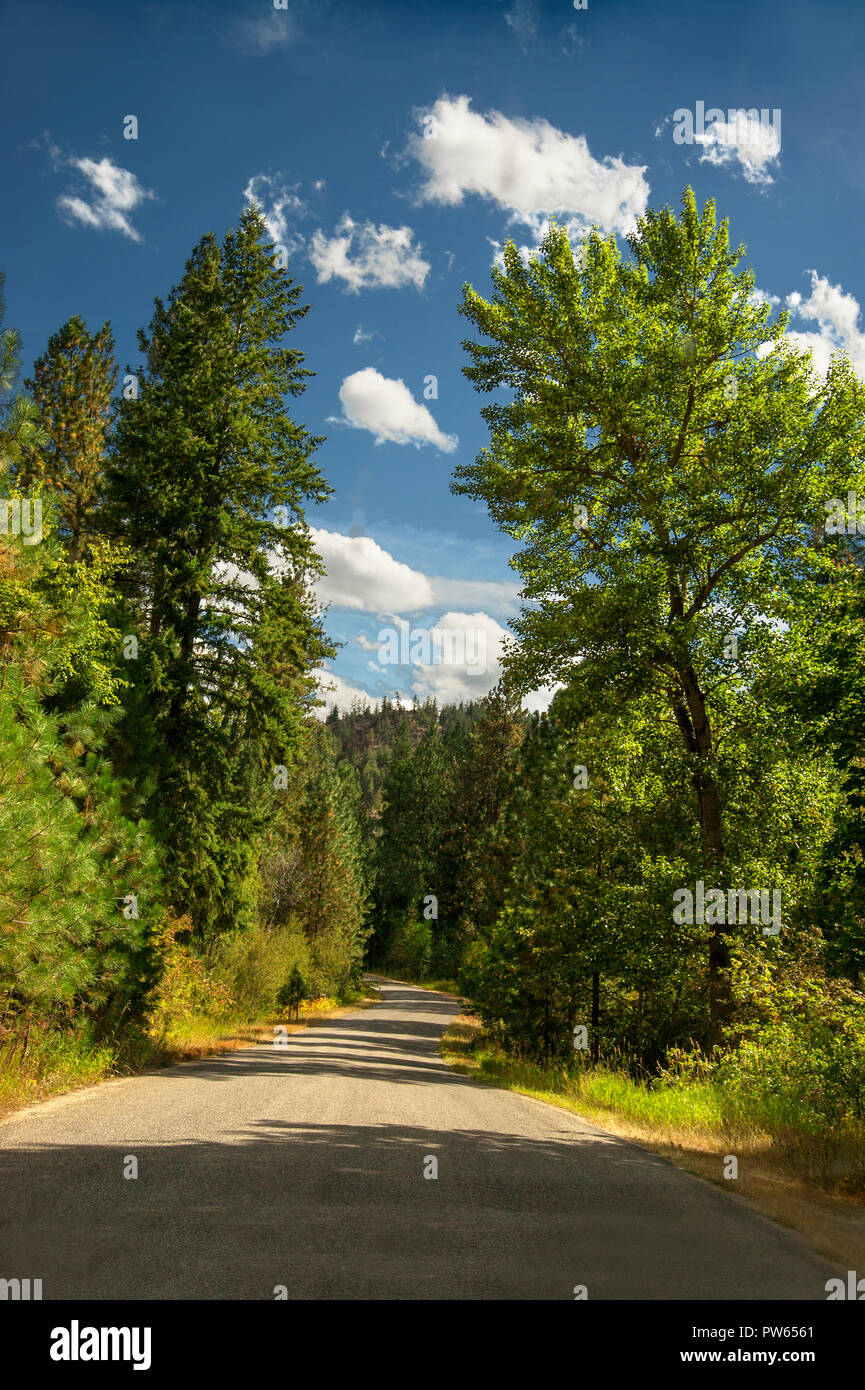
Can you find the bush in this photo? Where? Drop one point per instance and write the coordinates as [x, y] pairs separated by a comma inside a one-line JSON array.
[[336, 965], [523, 978], [411, 949], [293, 992], [253, 965], [186, 984], [795, 1069]]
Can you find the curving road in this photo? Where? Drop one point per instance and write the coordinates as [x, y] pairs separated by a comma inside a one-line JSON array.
[[303, 1166]]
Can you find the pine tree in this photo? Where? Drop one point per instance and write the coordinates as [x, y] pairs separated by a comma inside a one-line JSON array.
[[71, 387], [20, 430], [73, 948], [208, 482]]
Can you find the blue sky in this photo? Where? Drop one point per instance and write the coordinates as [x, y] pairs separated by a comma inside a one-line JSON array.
[[319, 110]]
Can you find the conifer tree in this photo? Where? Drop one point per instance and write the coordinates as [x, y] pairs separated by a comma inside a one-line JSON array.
[[20, 430], [71, 387], [208, 481]]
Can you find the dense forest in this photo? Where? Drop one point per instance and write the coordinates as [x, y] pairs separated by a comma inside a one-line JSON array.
[[662, 875], [176, 832]]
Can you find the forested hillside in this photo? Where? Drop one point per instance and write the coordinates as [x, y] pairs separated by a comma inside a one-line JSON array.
[[364, 737]]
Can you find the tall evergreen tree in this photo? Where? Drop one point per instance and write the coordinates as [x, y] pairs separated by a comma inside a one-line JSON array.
[[208, 482], [20, 430], [71, 387]]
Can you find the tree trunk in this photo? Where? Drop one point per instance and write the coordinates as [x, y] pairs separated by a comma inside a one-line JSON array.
[[693, 720], [596, 1010]]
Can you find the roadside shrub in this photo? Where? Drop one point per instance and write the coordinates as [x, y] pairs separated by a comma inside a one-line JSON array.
[[411, 949], [293, 992], [253, 965], [186, 983]]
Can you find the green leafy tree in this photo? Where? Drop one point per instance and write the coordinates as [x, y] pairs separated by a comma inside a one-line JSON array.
[[664, 476]]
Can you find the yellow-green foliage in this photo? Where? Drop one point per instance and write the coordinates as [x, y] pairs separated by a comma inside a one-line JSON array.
[[253, 965], [186, 985]]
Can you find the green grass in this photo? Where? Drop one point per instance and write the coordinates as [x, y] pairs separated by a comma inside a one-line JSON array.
[[52, 1062], [697, 1109], [693, 1115]]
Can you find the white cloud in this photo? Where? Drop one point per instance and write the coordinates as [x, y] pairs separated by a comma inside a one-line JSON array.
[[362, 336], [368, 257], [478, 639], [278, 202], [114, 194], [360, 575], [388, 410], [336, 691], [522, 18], [539, 701], [836, 314], [451, 688], [758, 297], [529, 168], [363, 576], [274, 29], [571, 40], [744, 141], [500, 595]]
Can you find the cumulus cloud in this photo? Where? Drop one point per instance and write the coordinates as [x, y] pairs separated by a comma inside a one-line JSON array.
[[388, 410], [279, 203], [527, 167], [113, 194], [361, 575], [836, 314], [471, 646], [539, 701], [744, 141], [456, 657], [499, 595], [361, 335], [365, 256], [758, 297]]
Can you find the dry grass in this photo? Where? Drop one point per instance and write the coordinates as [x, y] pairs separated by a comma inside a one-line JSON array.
[[200, 1037]]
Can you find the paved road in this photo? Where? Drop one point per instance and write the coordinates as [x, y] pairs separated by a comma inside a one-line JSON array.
[[303, 1166]]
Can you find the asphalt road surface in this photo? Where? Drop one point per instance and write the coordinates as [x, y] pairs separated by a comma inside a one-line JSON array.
[[303, 1166]]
